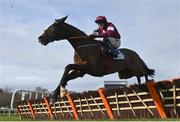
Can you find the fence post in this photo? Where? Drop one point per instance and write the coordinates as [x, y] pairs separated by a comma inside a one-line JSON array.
[[72, 106], [156, 98], [48, 107], [31, 109], [106, 104]]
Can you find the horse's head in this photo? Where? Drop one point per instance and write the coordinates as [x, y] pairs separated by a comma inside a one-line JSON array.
[[56, 31]]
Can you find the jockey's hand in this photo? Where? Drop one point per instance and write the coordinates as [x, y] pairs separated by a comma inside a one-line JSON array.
[[93, 35], [95, 32]]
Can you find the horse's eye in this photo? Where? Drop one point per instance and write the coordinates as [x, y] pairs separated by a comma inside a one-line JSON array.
[[54, 29]]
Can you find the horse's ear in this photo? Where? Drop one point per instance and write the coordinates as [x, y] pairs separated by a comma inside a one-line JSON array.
[[62, 19]]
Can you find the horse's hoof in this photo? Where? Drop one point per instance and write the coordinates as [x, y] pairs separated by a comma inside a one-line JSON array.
[[63, 93]]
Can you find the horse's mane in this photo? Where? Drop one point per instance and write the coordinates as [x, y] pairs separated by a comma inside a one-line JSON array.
[[74, 29], [78, 33]]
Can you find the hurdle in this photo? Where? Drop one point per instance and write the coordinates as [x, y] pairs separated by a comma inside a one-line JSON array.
[[159, 99]]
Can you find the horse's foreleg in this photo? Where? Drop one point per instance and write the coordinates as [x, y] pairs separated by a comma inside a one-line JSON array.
[[75, 74], [78, 71], [68, 68], [72, 75], [56, 93]]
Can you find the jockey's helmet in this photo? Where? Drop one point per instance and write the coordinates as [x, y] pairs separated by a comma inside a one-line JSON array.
[[101, 19]]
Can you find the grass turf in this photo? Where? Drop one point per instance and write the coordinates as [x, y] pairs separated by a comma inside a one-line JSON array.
[[5, 117]]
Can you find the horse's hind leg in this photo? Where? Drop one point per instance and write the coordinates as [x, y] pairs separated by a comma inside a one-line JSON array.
[[139, 79], [146, 77]]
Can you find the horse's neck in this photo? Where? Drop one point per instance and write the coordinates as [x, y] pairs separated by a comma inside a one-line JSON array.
[[74, 32], [80, 45]]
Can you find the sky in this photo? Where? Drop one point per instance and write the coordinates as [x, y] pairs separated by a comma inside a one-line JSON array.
[[149, 27]]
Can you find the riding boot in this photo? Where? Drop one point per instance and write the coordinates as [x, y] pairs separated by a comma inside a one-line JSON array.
[[109, 48], [114, 52]]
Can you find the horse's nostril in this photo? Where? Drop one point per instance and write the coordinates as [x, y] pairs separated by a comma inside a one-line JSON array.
[[40, 41], [40, 37]]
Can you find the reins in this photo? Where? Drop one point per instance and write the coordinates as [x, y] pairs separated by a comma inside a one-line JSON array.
[[84, 37], [80, 37]]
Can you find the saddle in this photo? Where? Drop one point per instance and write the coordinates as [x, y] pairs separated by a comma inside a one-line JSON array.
[[116, 54]]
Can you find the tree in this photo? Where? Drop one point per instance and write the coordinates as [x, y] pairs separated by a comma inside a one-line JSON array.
[[41, 89], [1, 91], [7, 89]]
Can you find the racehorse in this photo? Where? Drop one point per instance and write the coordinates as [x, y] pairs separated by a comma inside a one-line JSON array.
[[89, 57]]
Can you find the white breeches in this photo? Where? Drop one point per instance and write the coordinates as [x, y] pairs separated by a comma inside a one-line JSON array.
[[115, 42]]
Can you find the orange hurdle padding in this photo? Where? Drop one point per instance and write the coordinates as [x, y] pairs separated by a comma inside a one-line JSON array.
[[72, 106], [156, 98], [172, 80], [49, 108], [31, 109], [106, 104]]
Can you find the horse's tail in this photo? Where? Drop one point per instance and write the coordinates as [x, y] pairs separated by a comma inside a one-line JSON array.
[[150, 72]]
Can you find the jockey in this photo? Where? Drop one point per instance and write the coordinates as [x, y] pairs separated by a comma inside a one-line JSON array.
[[110, 35]]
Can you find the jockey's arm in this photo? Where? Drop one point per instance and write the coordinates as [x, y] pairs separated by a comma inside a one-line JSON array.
[[109, 32]]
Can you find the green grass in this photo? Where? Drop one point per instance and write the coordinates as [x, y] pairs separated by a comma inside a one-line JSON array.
[[16, 118], [7, 118]]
